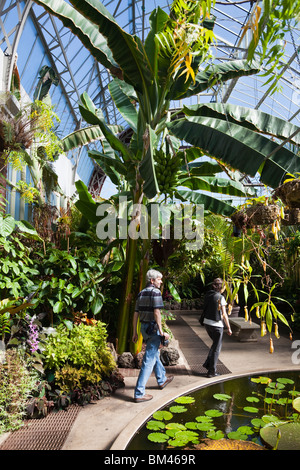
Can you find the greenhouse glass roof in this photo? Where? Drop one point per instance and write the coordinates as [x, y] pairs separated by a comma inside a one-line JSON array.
[[40, 39]]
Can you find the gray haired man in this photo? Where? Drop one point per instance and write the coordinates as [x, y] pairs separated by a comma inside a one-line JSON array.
[[147, 308]]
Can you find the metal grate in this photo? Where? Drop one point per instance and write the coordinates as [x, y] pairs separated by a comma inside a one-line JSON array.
[[48, 433]]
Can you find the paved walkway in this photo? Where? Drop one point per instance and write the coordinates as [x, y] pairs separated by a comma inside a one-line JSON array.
[[109, 423]]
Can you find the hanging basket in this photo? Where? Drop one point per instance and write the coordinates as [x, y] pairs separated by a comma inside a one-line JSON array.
[[252, 216], [289, 193], [291, 216]]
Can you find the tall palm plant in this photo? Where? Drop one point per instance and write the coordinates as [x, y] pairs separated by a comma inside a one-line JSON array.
[[147, 77]]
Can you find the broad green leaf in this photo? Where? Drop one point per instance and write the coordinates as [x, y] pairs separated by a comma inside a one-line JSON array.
[[177, 409], [221, 73], [185, 400], [81, 137], [296, 404], [7, 225], [252, 119], [162, 415], [205, 426], [252, 399], [177, 426], [127, 50], [155, 425], [174, 292], [146, 167], [214, 205], [123, 103], [87, 31], [213, 184], [28, 230], [216, 435], [250, 409], [228, 142], [236, 435], [158, 437], [222, 396], [213, 413], [93, 116]]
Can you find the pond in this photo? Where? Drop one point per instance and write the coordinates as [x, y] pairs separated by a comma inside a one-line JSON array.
[[242, 410]]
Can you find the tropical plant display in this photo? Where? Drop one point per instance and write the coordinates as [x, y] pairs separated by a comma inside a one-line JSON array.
[[61, 283], [173, 64]]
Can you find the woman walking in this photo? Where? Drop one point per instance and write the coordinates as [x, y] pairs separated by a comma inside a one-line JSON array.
[[215, 316]]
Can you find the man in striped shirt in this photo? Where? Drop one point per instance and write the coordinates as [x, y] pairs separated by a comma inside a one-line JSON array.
[[147, 308]]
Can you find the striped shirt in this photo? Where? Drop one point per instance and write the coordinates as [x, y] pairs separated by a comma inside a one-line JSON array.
[[148, 299]]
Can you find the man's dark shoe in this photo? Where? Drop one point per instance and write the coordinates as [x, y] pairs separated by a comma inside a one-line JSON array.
[[144, 398], [209, 375], [169, 379]]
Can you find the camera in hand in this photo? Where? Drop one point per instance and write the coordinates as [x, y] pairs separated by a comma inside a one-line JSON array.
[[164, 341]]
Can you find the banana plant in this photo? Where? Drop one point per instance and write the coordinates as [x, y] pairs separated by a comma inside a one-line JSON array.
[[171, 65]]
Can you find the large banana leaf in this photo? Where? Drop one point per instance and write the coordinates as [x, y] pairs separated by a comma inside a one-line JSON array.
[[123, 103], [216, 206], [238, 147], [232, 69], [85, 30], [251, 118], [86, 205], [213, 184], [92, 116], [146, 168], [126, 49]]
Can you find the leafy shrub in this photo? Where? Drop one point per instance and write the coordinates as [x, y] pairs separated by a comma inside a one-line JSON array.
[[79, 356], [16, 385]]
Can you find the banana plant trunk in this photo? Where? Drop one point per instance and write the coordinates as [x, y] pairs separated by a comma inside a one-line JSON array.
[[126, 301]]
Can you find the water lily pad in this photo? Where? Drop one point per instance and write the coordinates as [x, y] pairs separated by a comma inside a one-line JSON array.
[[276, 385], [176, 442], [284, 380], [261, 380], [251, 409], [216, 435], [237, 435], [185, 400], [178, 426], [205, 426], [158, 437], [296, 404], [178, 409], [273, 391], [155, 425], [162, 415], [203, 419], [289, 436], [245, 430], [252, 399], [213, 413], [191, 425], [257, 423], [222, 396]]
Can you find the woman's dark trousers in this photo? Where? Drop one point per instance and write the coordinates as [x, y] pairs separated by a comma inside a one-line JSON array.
[[216, 335]]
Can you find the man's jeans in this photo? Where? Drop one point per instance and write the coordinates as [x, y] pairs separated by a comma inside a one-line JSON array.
[[151, 362], [216, 334]]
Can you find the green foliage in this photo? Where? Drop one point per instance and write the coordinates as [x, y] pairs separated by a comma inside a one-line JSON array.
[[16, 385], [88, 362], [70, 282]]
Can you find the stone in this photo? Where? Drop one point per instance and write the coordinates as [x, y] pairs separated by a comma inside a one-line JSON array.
[[169, 356], [126, 361], [138, 359]]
